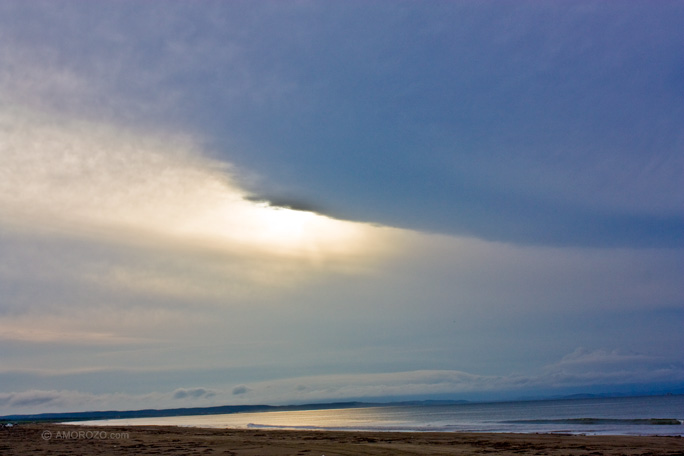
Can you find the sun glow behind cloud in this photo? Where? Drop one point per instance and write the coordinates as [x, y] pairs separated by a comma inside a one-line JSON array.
[[82, 178], [133, 237]]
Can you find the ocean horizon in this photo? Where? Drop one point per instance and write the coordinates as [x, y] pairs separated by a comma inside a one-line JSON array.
[[645, 415]]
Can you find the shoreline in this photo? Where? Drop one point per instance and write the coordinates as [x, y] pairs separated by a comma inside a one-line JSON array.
[[380, 430], [35, 438]]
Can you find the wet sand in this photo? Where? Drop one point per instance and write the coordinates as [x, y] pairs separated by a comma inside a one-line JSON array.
[[66, 440]]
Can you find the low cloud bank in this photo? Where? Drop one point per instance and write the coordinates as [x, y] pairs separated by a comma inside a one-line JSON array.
[[555, 378]]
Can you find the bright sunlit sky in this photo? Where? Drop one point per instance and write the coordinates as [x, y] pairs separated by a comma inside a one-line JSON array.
[[248, 202]]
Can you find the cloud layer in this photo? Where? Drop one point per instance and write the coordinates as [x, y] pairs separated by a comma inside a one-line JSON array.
[[538, 124], [627, 373]]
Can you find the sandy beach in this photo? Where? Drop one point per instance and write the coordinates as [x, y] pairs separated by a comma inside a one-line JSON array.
[[35, 439]]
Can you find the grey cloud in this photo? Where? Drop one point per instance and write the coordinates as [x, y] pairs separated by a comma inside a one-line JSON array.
[[242, 389], [30, 398], [548, 381], [583, 357], [34, 398], [30, 402], [192, 393], [613, 366], [287, 203]]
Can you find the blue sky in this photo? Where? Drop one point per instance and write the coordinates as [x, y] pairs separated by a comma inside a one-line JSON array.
[[274, 202]]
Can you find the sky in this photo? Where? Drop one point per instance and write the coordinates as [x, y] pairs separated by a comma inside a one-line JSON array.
[[266, 202]]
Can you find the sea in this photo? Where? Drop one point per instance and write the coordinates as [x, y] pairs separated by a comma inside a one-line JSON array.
[[648, 415]]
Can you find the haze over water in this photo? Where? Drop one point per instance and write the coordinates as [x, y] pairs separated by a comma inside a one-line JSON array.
[[649, 415]]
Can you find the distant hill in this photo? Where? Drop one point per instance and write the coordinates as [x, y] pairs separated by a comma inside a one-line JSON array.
[[219, 410], [670, 392]]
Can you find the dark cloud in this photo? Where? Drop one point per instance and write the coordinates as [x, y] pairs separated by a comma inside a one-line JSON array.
[[242, 389], [193, 393], [287, 203], [30, 398]]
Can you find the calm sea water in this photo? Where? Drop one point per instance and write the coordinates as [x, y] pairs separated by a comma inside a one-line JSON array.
[[651, 415]]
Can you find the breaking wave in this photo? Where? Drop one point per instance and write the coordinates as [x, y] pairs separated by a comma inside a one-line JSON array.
[[599, 421]]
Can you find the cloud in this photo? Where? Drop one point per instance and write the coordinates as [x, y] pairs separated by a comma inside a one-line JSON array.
[[36, 332], [44, 401], [452, 383], [612, 370], [603, 366], [489, 123], [105, 229], [39, 401], [582, 358], [286, 203], [192, 393], [29, 398], [608, 368], [242, 389], [100, 180], [71, 179]]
